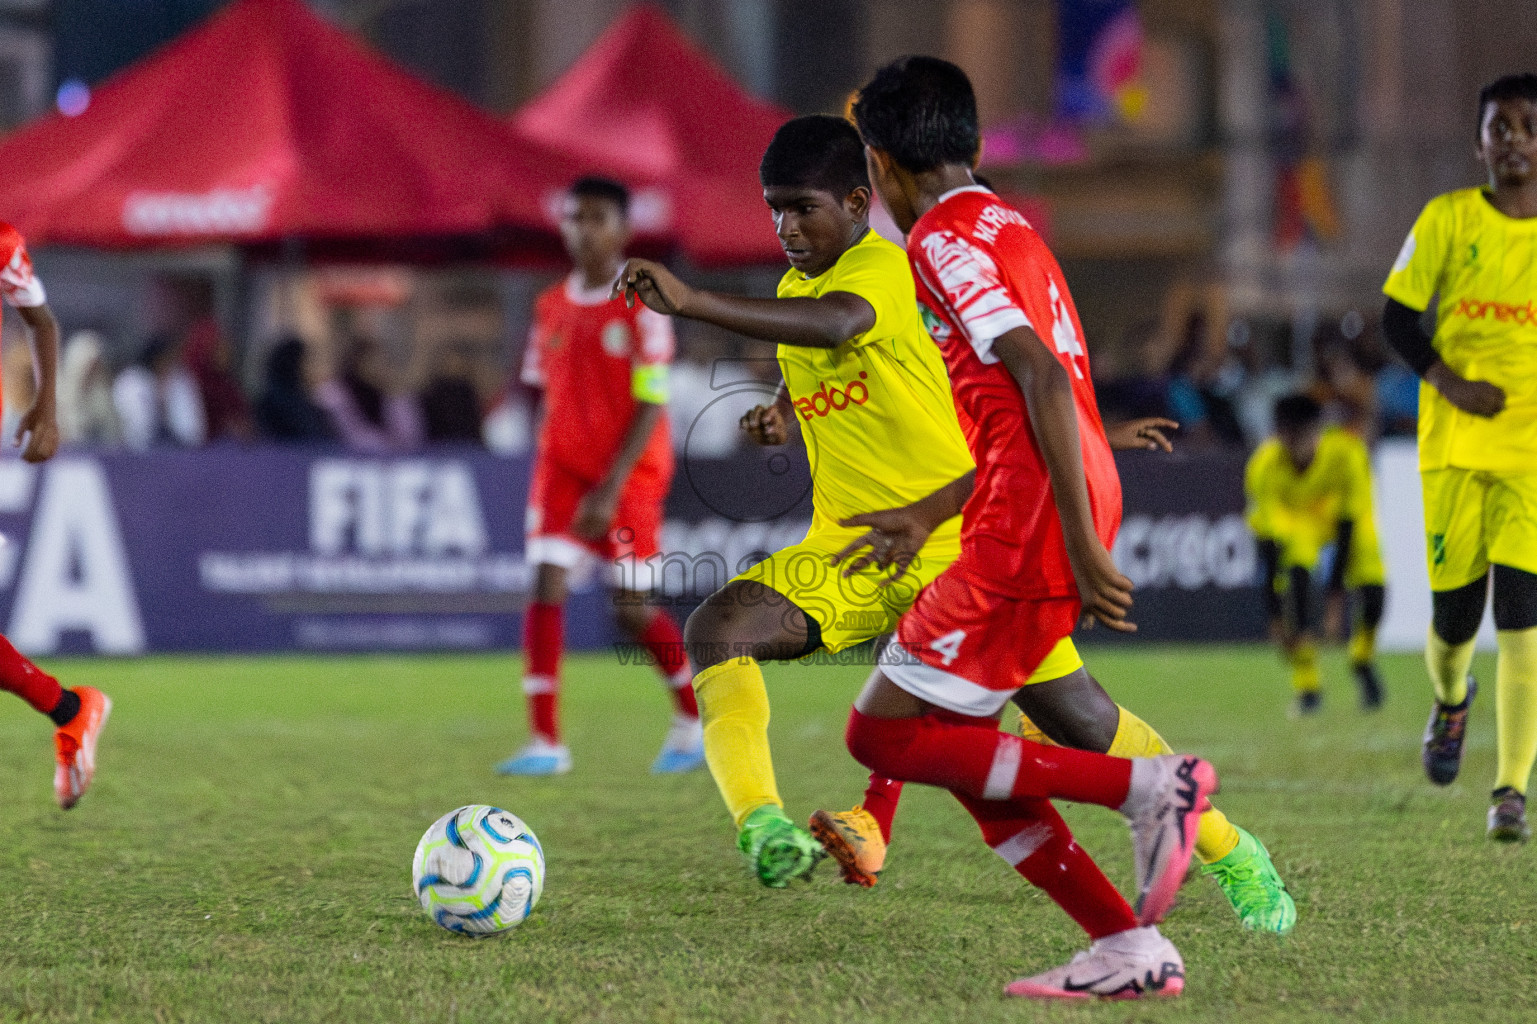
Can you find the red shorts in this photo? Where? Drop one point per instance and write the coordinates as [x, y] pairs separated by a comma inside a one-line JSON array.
[[636, 533], [968, 649]]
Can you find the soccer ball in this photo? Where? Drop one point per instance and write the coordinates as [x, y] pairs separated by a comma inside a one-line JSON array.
[[479, 870]]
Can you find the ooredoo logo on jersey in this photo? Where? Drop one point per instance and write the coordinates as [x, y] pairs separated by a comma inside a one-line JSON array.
[[827, 400]]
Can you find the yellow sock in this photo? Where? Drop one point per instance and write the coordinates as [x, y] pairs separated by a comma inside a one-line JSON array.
[[734, 708], [1216, 837], [1448, 667], [1304, 663], [1515, 705], [1363, 644], [1135, 738]]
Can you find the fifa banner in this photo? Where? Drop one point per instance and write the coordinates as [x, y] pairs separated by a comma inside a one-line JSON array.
[[1187, 549], [248, 549]]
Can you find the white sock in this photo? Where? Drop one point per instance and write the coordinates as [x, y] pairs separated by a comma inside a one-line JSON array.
[[1146, 775], [1132, 940], [686, 733]]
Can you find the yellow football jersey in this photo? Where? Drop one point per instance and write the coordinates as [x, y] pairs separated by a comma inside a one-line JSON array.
[[1285, 504], [1484, 266], [876, 411]]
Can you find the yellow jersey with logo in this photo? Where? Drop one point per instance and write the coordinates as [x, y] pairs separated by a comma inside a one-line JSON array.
[[1306, 507], [1483, 265], [876, 411]]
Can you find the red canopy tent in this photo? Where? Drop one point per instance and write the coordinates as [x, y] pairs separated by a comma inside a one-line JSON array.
[[647, 106], [264, 123]]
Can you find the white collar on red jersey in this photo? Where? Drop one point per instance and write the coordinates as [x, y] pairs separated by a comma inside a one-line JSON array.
[[963, 188], [580, 296]]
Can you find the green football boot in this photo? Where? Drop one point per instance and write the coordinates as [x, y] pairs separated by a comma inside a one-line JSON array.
[[1252, 886], [777, 849]]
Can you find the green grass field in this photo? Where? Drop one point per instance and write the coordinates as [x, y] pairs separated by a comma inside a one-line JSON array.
[[245, 856]]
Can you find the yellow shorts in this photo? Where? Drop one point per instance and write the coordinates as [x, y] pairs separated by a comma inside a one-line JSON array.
[[1473, 519], [1061, 660], [1303, 542], [853, 610]]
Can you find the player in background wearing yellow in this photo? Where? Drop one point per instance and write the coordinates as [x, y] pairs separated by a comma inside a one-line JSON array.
[[1310, 487], [1476, 249], [873, 400]]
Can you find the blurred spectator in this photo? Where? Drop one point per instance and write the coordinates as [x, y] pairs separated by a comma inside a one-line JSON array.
[[1347, 393], [225, 408], [285, 411], [1189, 353], [450, 406], [1203, 388], [1262, 384], [86, 412], [369, 413], [157, 400], [1125, 383], [1346, 384]]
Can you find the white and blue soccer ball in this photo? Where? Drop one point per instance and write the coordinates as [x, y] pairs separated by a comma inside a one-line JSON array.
[[479, 870]]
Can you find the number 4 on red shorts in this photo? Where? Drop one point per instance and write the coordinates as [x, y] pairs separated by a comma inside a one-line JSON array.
[[949, 646]]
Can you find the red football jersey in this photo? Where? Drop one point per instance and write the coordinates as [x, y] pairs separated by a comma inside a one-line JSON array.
[[583, 350], [981, 272]]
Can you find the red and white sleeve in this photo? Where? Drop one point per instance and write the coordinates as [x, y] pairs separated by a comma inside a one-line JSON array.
[[18, 283], [972, 287]]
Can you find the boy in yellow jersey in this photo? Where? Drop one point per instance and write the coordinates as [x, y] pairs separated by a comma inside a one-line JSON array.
[[1477, 250], [1310, 487], [873, 399]]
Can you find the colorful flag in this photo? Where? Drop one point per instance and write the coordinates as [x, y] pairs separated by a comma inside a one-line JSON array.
[[1099, 61], [1304, 199]]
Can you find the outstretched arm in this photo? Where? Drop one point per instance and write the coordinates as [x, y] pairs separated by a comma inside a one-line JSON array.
[[40, 425], [1048, 394], [824, 322]]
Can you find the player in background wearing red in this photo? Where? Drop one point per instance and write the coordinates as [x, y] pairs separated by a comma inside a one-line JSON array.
[[1034, 557], [79, 714], [601, 473]]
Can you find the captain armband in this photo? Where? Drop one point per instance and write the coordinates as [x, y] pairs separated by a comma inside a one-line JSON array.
[[649, 384]]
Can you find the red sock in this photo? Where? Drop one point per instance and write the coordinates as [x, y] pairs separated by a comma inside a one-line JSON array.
[[664, 640], [881, 798], [543, 635], [941, 749], [1032, 836], [26, 680]]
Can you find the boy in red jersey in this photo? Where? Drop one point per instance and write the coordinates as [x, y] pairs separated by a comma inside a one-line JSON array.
[[1034, 549], [79, 714], [601, 473]]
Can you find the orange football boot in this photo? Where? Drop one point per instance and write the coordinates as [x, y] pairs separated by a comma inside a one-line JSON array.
[[854, 839], [75, 746]]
